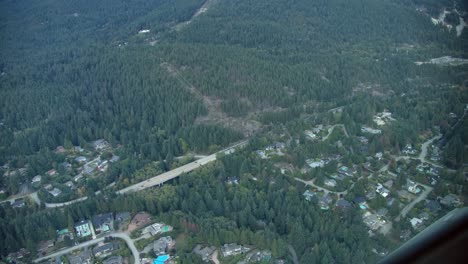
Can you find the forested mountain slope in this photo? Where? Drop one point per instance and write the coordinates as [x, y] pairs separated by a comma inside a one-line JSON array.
[[157, 81]]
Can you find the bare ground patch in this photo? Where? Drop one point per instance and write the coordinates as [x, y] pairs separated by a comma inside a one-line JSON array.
[[215, 115]]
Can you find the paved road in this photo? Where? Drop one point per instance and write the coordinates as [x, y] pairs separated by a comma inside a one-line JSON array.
[[164, 177], [214, 257], [156, 180], [421, 157], [407, 208], [427, 189], [55, 205], [124, 236], [425, 145], [293, 254]]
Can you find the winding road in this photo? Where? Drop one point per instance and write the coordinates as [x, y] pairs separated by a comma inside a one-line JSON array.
[[124, 236]]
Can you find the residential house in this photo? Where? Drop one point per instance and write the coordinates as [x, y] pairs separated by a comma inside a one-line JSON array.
[[103, 222], [157, 228], [233, 249], [143, 31], [18, 203], [123, 217], [262, 154], [433, 206], [81, 159], [62, 234], [423, 216], [60, 149], [70, 184], [342, 204], [51, 172], [263, 256], [84, 257], [44, 246], [416, 222], [163, 245], [369, 130], [105, 248], [78, 177], [83, 229], [78, 149], [338, 177], [232, 180], [346, 171], [103, 166], [382, 212], [409, 150], [317, 129], [370, 195], [382, 190], [36, 179], [310, 134], [412, 187], [450, 200], [309, 195], [367, 165], [99, 144], [114, 158], [388, 184], [113, 260], [48, 187], [378, 155], [359, 200], [372, 221], [330, 182], [315, 163], [55, 192], [204, 252], [66, 165], [364, 149], [363, 140], [405, 234], [325, 201]]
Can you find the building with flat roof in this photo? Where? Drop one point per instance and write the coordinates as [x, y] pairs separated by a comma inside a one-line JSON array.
[[83, 229]]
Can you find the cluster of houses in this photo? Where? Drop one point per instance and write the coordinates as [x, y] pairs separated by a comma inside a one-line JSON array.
[[78, 164], [100, 251], [233, 249], [102, 223]]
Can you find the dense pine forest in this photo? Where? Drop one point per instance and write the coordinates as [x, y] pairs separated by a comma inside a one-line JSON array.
[[161, 81]]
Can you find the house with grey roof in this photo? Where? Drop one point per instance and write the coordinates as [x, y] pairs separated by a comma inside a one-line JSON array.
[[84, 257], [105, 248], [113, 260], [103, 222], [204, 252]]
